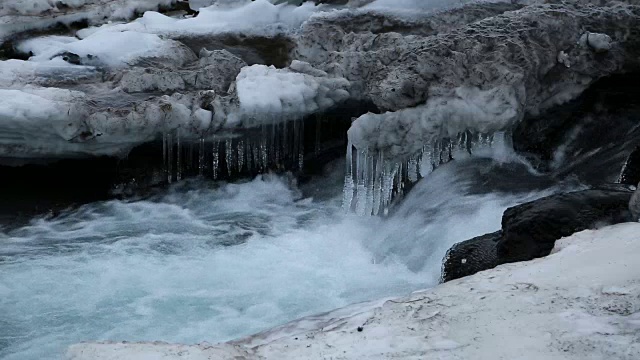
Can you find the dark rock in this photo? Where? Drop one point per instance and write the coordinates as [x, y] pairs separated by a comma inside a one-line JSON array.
[[590, 136], [530, 230], [471, 256], [631, 171]]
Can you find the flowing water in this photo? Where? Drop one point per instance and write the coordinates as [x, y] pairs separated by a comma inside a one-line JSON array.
[[205, 261]]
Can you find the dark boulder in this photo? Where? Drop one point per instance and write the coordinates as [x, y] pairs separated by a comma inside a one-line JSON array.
[[631, 171], [530, 230], [471, 256]]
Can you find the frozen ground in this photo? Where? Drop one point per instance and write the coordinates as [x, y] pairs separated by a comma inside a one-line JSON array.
[[581, 302]]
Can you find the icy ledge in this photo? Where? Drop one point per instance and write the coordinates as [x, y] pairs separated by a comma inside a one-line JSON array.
[[581, 302]]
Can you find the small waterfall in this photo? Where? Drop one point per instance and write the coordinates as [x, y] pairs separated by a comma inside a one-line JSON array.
[[377, 181]]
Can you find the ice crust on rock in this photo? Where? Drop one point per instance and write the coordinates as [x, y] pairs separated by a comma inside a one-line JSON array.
[[475, 68], [20, 16], [399, 71]]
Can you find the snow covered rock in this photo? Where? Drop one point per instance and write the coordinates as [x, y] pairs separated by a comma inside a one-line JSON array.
[[517, 51], [574, 304], [598, 42], [18, 17]]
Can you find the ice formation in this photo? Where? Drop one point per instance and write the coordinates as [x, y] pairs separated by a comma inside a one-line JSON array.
[[273, 146], [373, 182]]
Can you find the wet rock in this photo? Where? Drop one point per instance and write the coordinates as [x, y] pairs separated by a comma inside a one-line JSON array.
[[530, 230], [471, 256], [634, 205], [631, 171]]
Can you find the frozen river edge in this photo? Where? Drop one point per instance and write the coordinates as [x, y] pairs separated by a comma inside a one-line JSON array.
[[581, 302]]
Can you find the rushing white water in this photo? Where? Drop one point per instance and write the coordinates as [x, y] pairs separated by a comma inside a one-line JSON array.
[[207, 262]]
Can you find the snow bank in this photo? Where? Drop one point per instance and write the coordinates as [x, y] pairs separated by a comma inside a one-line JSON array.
[[114, 49], [24, 15], [259, 17], [578, 303], [265, 90]]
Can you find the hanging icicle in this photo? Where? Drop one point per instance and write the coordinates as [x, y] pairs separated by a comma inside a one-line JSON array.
[[178, 156], [215, 163], [376, 182], [169, 158], [201, 157]]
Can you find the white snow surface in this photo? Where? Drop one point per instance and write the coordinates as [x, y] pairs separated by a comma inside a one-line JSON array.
[[259, 17], [113, 49], [580, 302], [264, 90]]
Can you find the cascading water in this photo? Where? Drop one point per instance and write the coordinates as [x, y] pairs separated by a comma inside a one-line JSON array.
[[204, 261], [377, 181]]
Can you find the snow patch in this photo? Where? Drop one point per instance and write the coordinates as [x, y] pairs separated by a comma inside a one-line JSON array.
[[265, 90]]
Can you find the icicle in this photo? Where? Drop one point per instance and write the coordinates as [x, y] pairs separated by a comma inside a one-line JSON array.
[[301, 148], [276, 145], [169, 158], [412, 169], [215, 163], [164, 152], [369, 182], [241, 153], [178, 156], [399, 180], [347, 193], [285, 144], [201, 157], [318, 133], [255, 151], [377, 187], [390, 171], [361, 181], [228, 150]]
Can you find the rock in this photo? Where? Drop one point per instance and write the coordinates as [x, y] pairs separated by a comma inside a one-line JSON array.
[[597, 42], [631, 171], [471, 256], [634, 204], [398, 71], [530, 230]]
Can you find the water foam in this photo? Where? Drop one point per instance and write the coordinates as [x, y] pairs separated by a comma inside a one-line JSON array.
[[205, 262]]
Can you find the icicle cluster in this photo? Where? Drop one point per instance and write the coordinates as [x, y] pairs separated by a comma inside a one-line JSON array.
[[276, 146], [373, 182]]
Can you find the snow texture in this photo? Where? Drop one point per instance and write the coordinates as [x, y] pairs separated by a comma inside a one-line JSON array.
[[293, 92], [574, 304], [259, 17], [398, 71], [435, 74], [17, 17], [116, 49]]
